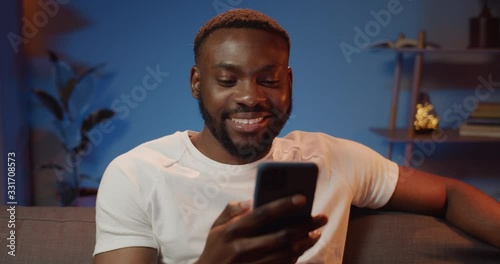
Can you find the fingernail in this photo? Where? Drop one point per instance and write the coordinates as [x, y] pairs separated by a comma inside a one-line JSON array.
[[298, 200], [315, 234]]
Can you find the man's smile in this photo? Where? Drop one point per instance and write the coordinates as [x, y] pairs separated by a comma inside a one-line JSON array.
[[248, 122]]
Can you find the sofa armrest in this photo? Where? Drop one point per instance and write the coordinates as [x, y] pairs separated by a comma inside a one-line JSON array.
[[395, 237], [49, 234]]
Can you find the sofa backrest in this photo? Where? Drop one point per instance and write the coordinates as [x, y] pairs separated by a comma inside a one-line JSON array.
[[67, 235]]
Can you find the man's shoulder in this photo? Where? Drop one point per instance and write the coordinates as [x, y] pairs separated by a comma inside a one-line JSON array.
[[315, 142], [305, 138], [299, 134], [165, 150]]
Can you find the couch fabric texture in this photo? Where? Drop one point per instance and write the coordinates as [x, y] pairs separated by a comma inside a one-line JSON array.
[[67, 235]]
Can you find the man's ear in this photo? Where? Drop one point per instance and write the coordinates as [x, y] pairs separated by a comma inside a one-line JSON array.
[[290, 77], [195, 82]]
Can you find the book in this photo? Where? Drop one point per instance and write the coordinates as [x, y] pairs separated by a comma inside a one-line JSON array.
[[479, 130], [485, 114], [486, 110], [488, 107], [483, 121]]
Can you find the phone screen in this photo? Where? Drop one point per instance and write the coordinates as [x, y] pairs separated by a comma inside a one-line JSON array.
[[280, 179]]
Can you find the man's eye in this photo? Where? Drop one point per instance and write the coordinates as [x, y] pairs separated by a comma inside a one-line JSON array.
[[226, 83], [269, 82]]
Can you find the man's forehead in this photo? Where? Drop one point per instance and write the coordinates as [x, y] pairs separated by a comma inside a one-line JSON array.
[[234, 66], [235, 48], [243, 37]]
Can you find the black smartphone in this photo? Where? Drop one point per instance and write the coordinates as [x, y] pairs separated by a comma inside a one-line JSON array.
[[280, 179]]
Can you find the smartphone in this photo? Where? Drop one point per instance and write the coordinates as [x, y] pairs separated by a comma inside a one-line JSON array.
[[280, 179]]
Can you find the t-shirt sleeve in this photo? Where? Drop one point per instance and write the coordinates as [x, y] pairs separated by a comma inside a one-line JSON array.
[[372, 177], [121, 211]]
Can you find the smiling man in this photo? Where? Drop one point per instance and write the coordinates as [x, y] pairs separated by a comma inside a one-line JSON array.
[[185, 197], [243, 85]]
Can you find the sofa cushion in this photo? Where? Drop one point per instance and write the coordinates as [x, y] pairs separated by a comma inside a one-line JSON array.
[[50, 234], [395, 237]]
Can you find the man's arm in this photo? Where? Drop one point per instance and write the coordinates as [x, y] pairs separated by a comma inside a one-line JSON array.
[[459, 203], [136, 255]]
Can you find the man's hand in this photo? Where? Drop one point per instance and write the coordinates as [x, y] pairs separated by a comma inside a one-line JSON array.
[[234, 235]]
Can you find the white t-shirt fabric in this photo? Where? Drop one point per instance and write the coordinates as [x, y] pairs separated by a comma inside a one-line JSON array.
[[165, 194]]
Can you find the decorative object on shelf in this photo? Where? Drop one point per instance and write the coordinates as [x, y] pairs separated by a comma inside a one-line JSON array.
[[401, 43], [426, 119], [73, 122], [484, 29]]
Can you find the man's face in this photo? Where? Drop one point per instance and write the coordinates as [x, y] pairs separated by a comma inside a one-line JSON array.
[[243, 85]]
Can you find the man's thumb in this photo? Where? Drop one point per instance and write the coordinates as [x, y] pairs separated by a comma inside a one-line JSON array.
[[232, 210]]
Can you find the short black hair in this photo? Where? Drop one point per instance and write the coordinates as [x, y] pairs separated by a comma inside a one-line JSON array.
[[238, 18]]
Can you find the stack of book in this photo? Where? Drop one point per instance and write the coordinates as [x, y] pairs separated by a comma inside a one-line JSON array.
[[483, 122]]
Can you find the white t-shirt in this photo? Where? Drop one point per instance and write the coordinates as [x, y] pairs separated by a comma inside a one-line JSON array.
[[165, 194]]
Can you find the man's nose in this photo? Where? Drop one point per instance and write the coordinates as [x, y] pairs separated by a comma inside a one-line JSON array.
[[250, 94]]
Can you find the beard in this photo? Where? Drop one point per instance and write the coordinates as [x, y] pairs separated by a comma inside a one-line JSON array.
[[252, 146]]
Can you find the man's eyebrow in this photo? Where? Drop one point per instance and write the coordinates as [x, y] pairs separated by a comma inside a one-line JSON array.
[[227, 66], [271, 67]]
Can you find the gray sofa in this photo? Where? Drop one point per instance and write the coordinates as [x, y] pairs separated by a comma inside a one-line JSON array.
[[67, 235]]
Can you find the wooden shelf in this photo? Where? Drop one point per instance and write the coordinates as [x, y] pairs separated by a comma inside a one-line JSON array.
[[437, 51], [400, 135]]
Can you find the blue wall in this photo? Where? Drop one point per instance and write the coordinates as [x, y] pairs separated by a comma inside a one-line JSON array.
[[14, 133], [333, 93]]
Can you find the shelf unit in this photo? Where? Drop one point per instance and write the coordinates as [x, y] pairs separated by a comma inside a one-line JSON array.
[[407, 135], [444, 135]]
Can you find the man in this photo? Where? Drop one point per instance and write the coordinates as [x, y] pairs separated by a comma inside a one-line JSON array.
[[185, 197]]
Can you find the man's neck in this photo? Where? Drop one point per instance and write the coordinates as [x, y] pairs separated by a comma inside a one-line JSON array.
[[209, 146]]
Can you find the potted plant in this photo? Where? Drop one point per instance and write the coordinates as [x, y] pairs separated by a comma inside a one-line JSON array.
[[73, 121]]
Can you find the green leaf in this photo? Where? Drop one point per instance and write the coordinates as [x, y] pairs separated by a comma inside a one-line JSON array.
[[69, 87], [65, 92], [95, 118], [51, 166], [92, 120], [50, 103], [91, 70], [83, 143], [65, 78]]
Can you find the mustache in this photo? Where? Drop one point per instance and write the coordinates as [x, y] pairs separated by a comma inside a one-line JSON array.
[[247, 109]]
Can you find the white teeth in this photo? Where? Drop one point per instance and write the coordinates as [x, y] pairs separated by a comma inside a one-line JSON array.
[[247, 121]]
